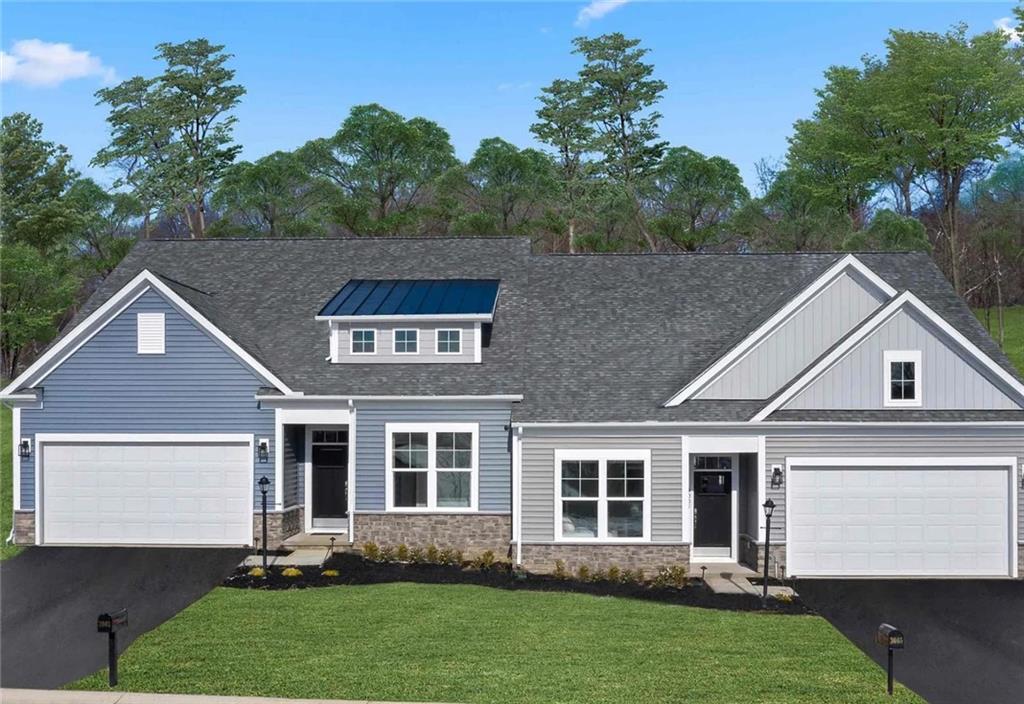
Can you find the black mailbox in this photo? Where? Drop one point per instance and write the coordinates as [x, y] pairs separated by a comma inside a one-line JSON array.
[[108, 623], [888, 636]]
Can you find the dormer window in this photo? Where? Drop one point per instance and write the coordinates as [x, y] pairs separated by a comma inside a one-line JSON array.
[[407, 341], [364, 342], [902, 379], [449, 341]]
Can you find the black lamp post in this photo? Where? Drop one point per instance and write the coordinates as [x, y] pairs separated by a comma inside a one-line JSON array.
[[264, 485], [769, 509]]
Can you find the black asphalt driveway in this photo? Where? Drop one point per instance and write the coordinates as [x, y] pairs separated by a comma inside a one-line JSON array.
[[965, 639], [50, 597]]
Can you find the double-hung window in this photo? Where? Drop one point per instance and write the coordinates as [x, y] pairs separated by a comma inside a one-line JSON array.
[[602, 495], [407, 341], [432, 466], [902, 378]]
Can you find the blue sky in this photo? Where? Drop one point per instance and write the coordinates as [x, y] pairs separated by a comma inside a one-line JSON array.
[[738, 74]]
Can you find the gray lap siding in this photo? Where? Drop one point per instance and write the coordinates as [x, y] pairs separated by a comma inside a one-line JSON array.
[[495, 459], [107, 387]]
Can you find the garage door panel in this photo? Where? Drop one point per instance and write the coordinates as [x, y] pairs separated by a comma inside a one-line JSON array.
[[899, 521], [156, 493]]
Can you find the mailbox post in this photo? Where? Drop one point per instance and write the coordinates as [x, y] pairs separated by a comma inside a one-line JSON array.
[[109, 623], [891, 638]]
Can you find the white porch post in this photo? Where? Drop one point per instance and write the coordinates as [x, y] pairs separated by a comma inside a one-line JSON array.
[[278, 460], [762, 470]]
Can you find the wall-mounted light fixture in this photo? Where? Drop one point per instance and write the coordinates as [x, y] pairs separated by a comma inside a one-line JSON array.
[[25, 448], [776, 476], [263, 450]]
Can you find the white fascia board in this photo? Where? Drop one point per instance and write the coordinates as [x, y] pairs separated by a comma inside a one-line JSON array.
[[880, 318], [782, 315], [751, 424], [98, 319], [371, 319], [298, 399], [239, 438]]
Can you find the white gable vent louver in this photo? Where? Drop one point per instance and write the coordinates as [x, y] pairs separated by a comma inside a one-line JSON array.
[[151, 333]]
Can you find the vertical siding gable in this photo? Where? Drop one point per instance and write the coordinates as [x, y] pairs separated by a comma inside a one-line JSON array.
[[950, 379], [805, 336], [427, 343], [105, 386]]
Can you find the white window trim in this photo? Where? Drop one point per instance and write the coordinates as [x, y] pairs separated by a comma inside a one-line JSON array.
[[890, 356], [602, 457], [437, 340], [394, 341], [432, 429], [151, 318], [352, 342]]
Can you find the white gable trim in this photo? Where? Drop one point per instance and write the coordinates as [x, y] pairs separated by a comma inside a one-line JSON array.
[[905, 299], [99, 319], [733, 356]]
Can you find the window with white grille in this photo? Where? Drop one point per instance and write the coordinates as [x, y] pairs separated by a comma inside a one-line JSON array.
[[151, 333]]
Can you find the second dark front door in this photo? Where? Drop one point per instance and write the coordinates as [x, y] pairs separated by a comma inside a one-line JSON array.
[[330, 481], [713, 506]]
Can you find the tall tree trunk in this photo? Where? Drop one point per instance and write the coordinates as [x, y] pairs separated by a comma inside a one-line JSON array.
[[201, 220], [951, 194], [572, 235]]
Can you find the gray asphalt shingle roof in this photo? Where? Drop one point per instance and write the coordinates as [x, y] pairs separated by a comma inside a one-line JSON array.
[[595, 338]]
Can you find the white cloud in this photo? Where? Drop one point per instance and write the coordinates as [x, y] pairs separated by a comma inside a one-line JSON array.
[[596, 10], [1007, 25], [38, 63]]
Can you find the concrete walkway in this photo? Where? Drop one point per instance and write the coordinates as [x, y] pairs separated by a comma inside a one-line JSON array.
[[49, 696]]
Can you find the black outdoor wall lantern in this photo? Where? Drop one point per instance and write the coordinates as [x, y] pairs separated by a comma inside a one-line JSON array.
[[25, 448], [776, 476], [263, 450]]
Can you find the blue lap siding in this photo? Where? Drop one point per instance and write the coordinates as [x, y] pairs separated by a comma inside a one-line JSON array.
[[107, 387], [495, 453]]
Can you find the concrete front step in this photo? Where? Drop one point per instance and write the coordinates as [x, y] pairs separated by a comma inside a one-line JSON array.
[[297, 558]]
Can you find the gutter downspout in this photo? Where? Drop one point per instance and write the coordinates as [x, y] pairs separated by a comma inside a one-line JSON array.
[[517, 504]]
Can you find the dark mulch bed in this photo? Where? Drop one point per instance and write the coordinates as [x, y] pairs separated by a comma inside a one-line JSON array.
[[354, 569]]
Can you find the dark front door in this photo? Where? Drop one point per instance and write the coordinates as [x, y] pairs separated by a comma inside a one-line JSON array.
[[330, 481], [713, 506]]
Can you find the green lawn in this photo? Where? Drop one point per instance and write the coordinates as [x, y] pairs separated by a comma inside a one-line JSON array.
[[461, 643], [6, 485], [1014, 345]]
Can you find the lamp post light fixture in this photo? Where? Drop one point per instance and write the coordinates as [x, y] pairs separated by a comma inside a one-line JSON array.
[[769, 509], [264, 486]]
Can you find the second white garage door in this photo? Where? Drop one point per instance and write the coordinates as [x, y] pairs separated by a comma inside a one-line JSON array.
[[145, 490], [906, 520]]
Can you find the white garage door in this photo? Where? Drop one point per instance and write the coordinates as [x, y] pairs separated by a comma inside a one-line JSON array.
[[142, 491], [899, 520]]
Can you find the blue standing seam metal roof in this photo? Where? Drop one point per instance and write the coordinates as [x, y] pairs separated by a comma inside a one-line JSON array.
[[414, 297]]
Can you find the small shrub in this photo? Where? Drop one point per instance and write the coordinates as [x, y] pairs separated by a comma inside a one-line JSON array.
[[784, 597], [387, 554], [402, 553], [675, 576], [632, 576], [449, 556], [485, 560], [599, 576], [291, 572], [329, 573], [257, 572], [583, 573], [614, 574], [640, 577], [560, 571], [371, 551], [433, 555], [417, 556]]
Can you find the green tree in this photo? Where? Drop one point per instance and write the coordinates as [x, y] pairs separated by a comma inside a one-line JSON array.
[[620, 94], [955, 98], [382, 164], [694, 195], [563, 123], [106, 228], [503, 185], [889, 232], [172, 135], [274, 196], [36, 289], [35, 176]]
